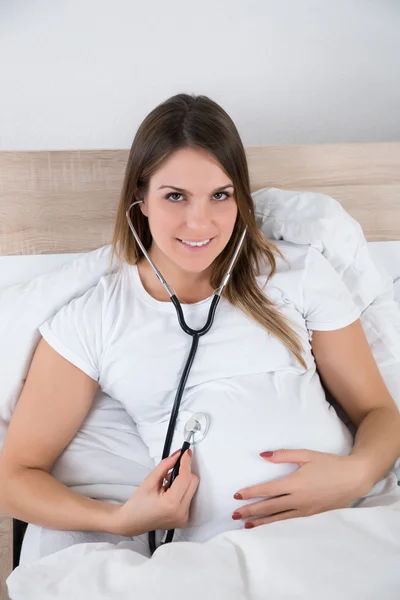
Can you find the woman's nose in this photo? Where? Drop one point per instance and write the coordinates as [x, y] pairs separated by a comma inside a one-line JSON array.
[[198, 215]]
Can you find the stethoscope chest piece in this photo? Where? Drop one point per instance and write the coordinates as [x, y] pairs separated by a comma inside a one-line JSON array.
[[197, 426]]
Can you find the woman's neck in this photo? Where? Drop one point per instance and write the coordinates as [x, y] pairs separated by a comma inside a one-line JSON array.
[[189, 287]]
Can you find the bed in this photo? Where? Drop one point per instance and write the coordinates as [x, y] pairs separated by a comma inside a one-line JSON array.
[[55, 205]]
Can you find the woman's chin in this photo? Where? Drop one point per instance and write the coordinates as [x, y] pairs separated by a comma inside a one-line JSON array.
[[193, 261]]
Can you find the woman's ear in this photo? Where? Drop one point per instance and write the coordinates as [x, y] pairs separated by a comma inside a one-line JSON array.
[[143, 208]]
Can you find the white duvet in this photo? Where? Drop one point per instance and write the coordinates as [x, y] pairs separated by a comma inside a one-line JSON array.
[[347, 554]]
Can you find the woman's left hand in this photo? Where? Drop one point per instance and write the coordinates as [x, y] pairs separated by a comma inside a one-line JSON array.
[[323, 482]]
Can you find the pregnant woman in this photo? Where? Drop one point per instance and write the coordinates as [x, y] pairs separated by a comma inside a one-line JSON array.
[[285, 323]]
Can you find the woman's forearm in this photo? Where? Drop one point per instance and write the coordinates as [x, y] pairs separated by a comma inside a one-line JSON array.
[[377, 442], [35, 496]]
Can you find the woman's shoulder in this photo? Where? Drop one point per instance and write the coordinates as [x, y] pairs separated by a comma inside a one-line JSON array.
[[306, 279], [116, 281], [285, 285]]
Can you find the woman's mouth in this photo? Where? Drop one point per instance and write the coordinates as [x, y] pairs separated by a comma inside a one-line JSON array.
[[196, 245]]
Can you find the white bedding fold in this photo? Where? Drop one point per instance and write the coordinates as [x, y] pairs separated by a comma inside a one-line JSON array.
[[347, 554]]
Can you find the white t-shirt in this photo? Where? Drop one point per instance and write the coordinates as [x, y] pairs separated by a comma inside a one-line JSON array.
[[256, 394]]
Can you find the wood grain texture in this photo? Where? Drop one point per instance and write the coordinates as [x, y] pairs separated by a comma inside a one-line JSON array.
[[66, 201], [5, 554]]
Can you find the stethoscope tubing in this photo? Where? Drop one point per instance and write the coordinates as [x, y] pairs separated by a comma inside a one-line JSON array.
[[175, 409], [195, 334]]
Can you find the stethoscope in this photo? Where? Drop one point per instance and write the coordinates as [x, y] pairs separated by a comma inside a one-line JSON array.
[[197, 426]]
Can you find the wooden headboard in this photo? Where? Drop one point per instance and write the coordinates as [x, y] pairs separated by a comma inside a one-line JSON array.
[[66, 201]]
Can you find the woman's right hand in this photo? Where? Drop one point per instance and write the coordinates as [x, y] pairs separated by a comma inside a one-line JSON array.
[[155, 506]]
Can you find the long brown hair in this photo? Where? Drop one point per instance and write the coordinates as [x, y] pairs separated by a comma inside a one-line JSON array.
[[198, 122]]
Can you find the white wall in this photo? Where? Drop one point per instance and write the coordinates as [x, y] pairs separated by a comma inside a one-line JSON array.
[[84, 73]]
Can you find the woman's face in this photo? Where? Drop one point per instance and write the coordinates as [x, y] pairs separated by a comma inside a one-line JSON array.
[[203, 211]]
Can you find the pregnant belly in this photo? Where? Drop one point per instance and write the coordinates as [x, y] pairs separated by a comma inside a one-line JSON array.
[[249, 415]]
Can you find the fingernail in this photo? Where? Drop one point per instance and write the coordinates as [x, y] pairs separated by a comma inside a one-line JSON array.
[[176, 452], [236, 516], [190, 452], [249, 525], [266, 454], [238, 496]]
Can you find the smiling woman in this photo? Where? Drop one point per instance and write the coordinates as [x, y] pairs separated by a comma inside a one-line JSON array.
[[255, 372], [191, 142]]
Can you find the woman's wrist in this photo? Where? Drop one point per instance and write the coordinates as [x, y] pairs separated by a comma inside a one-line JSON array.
[[118, 521], [376, 445], [108, 517], [363, 473]]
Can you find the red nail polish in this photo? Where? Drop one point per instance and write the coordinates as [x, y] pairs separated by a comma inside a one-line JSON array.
[[238, 496], [266, 454], [249, 525], [236, 516]]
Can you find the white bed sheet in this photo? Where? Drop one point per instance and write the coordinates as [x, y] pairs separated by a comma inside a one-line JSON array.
[[346, 554]]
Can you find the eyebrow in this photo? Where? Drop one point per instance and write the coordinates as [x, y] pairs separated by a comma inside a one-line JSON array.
[[181, 190]]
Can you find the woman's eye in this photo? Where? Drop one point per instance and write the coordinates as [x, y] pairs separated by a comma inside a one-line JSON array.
[[224, 193], [174, 194]]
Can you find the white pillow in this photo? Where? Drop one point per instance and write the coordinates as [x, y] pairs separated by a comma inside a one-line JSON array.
[[25, 306], [321, 221], [386, 255], [22, 268]]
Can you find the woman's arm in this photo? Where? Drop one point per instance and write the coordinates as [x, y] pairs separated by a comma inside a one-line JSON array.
[[348, 369], [326, 481], [54, 401], [53, 404]]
